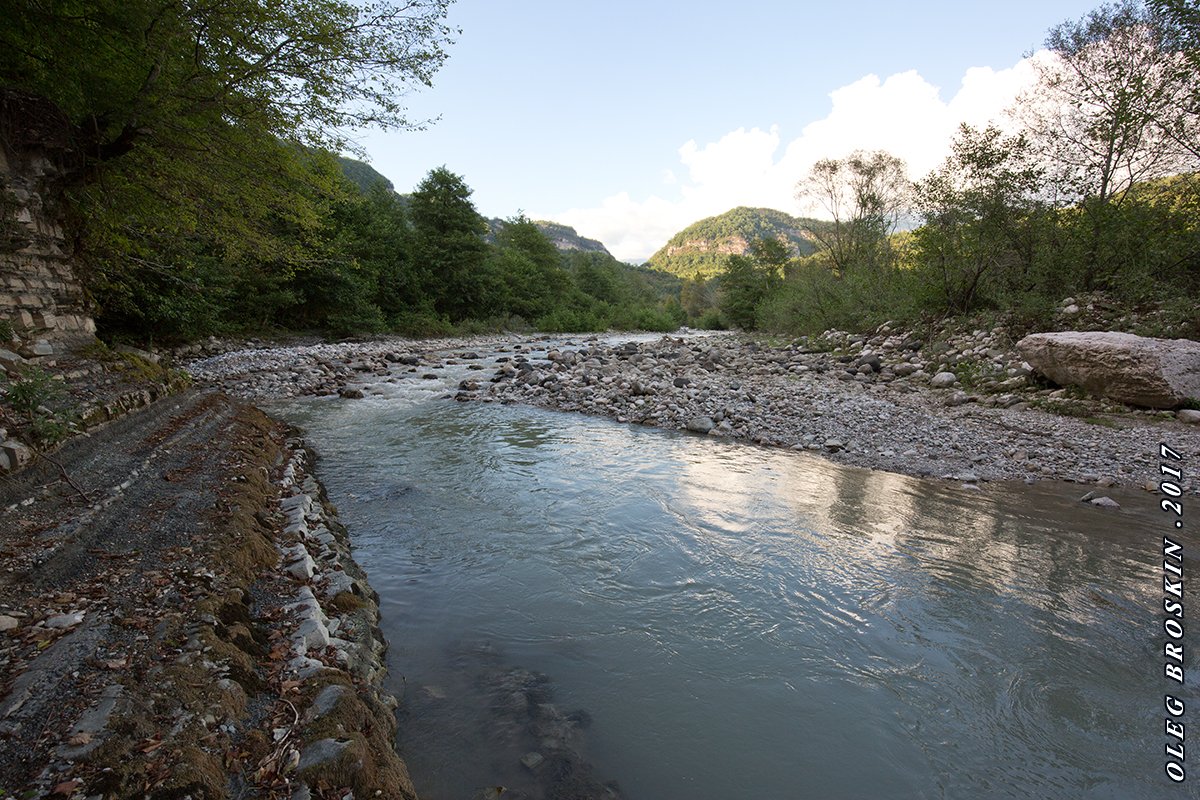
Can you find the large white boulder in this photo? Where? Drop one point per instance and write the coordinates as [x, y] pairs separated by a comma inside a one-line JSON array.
[[1156, 373]]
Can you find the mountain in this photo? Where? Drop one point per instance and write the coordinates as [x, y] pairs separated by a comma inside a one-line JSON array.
[[699, 250], [362, 174], [564, 237]]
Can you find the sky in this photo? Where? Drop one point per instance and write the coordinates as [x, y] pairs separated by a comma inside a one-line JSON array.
[[629, 120]]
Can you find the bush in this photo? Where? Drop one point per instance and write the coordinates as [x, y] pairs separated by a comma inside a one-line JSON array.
[[567, 320], [711, 320], [421, 324]]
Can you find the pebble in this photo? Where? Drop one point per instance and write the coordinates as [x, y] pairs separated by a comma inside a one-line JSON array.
[[7, 623], [64, 620]]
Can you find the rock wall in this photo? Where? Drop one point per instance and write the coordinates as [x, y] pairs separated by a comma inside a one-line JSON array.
[[41, 298]]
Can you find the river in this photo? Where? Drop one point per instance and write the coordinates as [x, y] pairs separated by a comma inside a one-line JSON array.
[[718, 620]]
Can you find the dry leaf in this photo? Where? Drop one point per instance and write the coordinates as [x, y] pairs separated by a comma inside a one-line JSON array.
[[67, 787], [80, 738]]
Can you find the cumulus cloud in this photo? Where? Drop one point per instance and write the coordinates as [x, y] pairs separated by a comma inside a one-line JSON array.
[[903, 114]]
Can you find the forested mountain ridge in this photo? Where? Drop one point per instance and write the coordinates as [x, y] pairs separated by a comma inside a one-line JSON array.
[[699, 250], [563, 237], [362, 174]]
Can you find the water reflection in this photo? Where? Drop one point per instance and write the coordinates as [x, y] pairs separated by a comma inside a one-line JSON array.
[[744, 622]]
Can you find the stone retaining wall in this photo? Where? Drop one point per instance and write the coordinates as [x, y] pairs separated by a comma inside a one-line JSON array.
[[41, 297]]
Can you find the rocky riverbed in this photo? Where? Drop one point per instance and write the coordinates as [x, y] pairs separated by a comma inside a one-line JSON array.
[[965, 407]]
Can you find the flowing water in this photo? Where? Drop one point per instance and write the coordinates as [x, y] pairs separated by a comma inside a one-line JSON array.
[[740, 622]]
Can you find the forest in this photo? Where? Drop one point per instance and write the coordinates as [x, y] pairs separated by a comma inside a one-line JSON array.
[[206, 192]]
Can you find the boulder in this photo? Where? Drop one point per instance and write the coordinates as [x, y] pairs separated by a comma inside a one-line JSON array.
[[1155, 373]]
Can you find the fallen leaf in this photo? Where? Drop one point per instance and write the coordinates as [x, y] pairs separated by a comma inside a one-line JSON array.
[[151, 746], [80, 738], [67, 787]]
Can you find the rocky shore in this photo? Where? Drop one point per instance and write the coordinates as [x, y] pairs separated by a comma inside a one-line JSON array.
[[964, 408], [181, 617]]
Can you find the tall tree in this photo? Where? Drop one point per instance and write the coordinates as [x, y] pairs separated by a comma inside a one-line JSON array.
[[195, 121], [978, 210], [1111, 104], [865, 194], [1113, 108], [449, 242], [748, 280]]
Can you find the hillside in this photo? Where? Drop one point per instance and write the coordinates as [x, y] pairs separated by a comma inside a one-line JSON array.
[[564, 237], [698, 251], [361, 174]]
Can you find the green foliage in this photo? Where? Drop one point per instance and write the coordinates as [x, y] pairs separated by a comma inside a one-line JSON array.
[[448, 241], [363, 175], [980, 216], [698, 251], [38, 397], [749, 280], [864, 194], [566, 320]]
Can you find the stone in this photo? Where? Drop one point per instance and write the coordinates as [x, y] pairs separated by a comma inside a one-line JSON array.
[[834, 445], [700, 424], [1188, 415], [957, 399], [322, 751], [63, 621], [943, 380], [303, 568], [1140, 371], [351, 394], [312, 635], [7, 623], [145, 355], [9, 359], [532, 761], [14, 456], [325, 702], [1105, 502]]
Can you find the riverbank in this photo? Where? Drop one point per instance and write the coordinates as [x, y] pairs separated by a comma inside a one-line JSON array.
[[870, 401], [182, 617]]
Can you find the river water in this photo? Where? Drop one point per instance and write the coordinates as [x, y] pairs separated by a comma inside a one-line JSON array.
[[741, 622]]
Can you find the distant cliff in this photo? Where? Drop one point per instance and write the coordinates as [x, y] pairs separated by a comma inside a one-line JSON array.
[[564, 237]]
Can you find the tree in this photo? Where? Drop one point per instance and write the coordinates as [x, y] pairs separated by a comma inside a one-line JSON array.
[[195, 125], [750, 279], [1114, 107], [978, 210], [448, 234], [134, 71], [1111, 104], [1179, 24], [864, 193]]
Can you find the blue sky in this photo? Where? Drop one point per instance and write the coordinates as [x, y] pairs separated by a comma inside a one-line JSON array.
[[629, 120]]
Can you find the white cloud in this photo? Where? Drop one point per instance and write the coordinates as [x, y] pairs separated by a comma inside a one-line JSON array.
[[903, 114]]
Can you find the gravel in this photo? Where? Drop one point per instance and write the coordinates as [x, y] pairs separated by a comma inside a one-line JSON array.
[[963, 408]]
